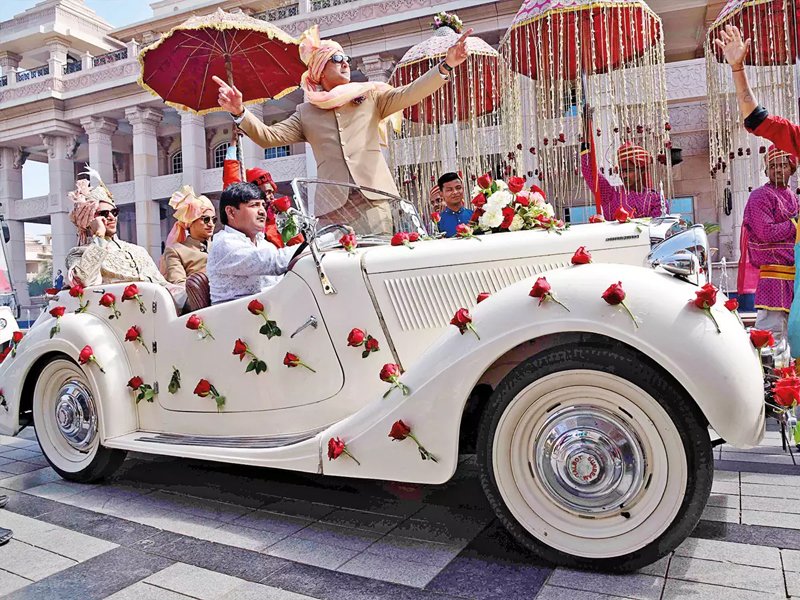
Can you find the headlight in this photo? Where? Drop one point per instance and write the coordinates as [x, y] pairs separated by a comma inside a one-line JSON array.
[[685, 254]]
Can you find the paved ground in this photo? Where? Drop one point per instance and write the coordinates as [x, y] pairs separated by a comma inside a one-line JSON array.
[[175, 529]]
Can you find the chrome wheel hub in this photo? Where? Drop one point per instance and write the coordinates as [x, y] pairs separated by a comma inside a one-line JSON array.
[[75, 415], [589, 460]]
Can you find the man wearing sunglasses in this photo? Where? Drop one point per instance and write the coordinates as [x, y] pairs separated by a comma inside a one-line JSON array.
[[345, 122], [188, 242], [101, 257]]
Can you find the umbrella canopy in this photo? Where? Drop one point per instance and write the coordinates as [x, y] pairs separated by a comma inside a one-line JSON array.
[[260, 59], [476, 88], [771, 24], [560, 39]]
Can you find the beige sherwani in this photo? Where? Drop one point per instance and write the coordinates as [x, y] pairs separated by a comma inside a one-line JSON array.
[[186, 258], [346, 140]]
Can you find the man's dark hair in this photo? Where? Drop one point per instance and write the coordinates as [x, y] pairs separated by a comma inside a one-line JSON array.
[[236, 194], [447, 178]]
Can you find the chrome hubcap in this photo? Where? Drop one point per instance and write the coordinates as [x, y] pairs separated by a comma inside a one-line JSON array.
[[589, 460], [75, 414]]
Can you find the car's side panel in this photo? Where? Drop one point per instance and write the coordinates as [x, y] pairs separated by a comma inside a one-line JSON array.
[[719, 370]]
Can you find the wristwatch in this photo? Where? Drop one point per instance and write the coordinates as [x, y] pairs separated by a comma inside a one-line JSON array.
[[447, 68], [238, 119]]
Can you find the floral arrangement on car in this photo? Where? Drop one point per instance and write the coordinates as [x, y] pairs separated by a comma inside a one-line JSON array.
[[451, 20], [508, 206]]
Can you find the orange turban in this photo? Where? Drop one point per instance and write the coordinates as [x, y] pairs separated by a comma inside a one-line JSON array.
[[774, 153], [632, 153]]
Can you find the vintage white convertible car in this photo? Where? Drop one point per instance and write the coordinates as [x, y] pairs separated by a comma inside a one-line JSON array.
[[592, 431]]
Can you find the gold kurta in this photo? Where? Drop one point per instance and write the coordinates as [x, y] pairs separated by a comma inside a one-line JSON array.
[[111, 261], [186, 258]]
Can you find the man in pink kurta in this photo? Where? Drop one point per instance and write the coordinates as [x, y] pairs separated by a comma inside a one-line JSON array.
[[636, 194], [769, 220]]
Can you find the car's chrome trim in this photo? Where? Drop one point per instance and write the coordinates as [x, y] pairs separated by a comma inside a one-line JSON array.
[[217, 441]]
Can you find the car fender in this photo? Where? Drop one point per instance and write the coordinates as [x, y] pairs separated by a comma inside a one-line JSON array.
[[720, 371], [115, 405]]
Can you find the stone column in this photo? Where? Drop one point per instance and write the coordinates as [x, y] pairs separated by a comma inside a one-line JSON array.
[[193, 148], [9, 63], [60, 152], [144, 121], [11, 192], [100, 130], [57, 47], [304, 7], [164, 144], [252, 153], [377, 67]]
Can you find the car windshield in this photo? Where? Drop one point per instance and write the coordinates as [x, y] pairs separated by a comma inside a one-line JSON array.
[[348, 204]]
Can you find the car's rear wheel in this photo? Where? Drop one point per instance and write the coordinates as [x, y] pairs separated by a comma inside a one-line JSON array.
[[593, 458], [66, 419]]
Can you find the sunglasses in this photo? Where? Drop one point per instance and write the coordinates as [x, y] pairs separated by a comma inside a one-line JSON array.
[[208, 219], [340, 58], [114, 212]]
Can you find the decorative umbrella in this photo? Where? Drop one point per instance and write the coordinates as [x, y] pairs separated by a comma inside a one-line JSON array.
[[456, 128], [261, 59], [736, 157], [574, 53]]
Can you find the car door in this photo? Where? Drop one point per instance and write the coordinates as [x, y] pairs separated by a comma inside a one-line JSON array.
[[291, 304]]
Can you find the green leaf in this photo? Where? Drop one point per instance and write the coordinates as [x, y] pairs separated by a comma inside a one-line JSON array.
[[261, 367], [365, 354], [270, 329], [289, 230], [53, 331], [220, 401], [175, 381], [253, 364]]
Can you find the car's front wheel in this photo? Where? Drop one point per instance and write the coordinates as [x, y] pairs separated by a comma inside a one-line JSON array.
[[66, 418], [592, 457]]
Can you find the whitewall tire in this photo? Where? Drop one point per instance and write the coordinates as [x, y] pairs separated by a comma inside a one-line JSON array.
[[592, 457], [67, 421]]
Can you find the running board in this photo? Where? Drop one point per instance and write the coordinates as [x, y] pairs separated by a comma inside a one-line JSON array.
[[211, 441]]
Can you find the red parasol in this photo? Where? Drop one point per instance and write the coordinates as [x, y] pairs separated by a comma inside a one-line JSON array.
[[263, 61]]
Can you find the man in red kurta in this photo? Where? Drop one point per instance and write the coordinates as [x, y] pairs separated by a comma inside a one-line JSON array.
[[263, 179]]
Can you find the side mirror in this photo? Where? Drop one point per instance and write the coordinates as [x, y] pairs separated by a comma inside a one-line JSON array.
[[671, 255], [683, 264]]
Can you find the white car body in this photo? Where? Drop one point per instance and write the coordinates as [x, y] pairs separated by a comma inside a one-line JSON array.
[[405, 298]]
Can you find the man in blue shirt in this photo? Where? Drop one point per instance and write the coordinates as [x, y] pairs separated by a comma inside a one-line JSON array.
[[454, 213]]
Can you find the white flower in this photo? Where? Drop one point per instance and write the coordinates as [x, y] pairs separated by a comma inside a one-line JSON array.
[[499, 200], [517, 223], [501, 185], [491, 219], [548, 209]]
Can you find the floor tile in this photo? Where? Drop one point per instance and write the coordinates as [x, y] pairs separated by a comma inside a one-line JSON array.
[[777, 458], [55, 490], [640, 586], [416, 551], [394, 571], [31, 562], [770, 491], [17, 468], [658, 568], [770, 519], [29, 478], [257, 591], [689, 590], [194, 581], [257, 540], [10, 582], [791, 560], [726, 574], [725, 487], [145, 591], [780, 505], [311, 553], [340, 537], [298, 508], [726, 476], [21, 454], [552, 592], [204, 509], [765, 479], [715, 513], [373, 522], [274, 522], [793, 584], [727, 552], [724, 501]]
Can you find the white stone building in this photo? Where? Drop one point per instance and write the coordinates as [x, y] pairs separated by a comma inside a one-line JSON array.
[[68, 95]]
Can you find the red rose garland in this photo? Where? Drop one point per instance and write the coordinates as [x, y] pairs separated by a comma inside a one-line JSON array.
[[400, 431]]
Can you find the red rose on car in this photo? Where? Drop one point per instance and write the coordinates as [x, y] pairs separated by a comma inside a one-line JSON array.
[[390, 372], [399, 431], [356, 337], [135, 382], [706, 296], [540, 289], [787, 391], [17, 336], [132, 334], [761, 338], [281, 204], [76, 291], [335, 448], [292, 360], [254, 307], [87, 355], [615, 296], [485, 181], [516, 184], [581, 256], [597, 218], [240, 349], [400, 239], [483, 296], [463, 320], [348, 242], [436, 217], [194, 323], [372, 344], [479, 201], [58, 311], [203, 388], [108, 299], [413, 236], [622, 215], [130, 292], [732, 304]]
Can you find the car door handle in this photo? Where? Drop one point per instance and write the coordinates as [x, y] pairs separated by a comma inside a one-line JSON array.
[[311, 322]]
